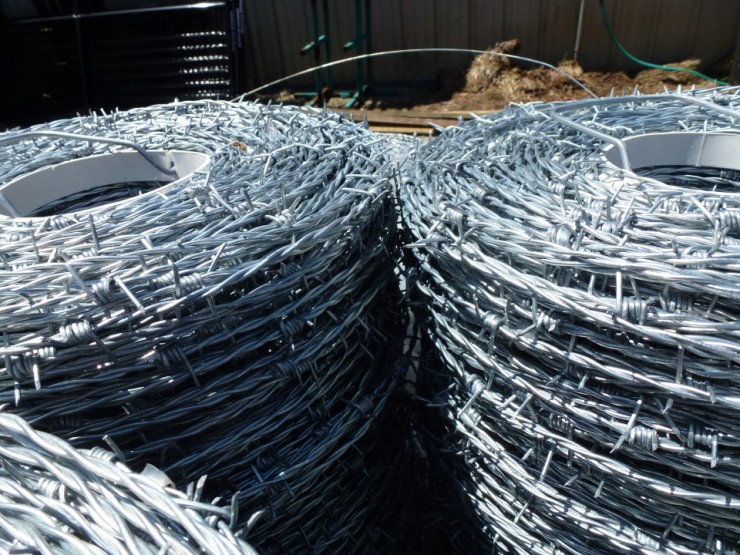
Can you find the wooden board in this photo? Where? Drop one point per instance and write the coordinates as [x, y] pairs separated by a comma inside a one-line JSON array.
[[404, 130], [388, 121]]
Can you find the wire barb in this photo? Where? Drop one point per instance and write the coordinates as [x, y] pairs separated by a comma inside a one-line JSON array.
[[613, 297], [195, 325]]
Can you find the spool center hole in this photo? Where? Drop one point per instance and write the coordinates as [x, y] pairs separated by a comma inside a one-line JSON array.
[[86, 183], [97, 196], [710, 161]]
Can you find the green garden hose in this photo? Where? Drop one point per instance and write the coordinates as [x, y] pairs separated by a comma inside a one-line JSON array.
[[644, 63]]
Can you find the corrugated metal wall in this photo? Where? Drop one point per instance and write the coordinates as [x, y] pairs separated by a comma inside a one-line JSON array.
[[660, 31]]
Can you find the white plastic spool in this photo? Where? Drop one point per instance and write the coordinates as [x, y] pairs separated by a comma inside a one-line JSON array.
[[25, 194]]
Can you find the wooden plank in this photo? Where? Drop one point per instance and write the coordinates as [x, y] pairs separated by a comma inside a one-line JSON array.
[[380, 117], [400, 117], [465, 114], [405, 122], [404, 130]]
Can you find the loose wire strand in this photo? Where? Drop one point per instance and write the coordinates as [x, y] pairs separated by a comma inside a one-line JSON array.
[[418, 51]]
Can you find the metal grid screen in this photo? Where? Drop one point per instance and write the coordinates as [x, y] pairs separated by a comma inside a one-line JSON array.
[[55, 63]]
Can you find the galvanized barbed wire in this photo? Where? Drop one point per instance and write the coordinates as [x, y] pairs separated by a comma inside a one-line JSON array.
[[225, 325], [586, 318], [58, 499]]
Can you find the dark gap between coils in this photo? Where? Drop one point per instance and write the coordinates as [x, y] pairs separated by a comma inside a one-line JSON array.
[[580, 317], [233, 326]]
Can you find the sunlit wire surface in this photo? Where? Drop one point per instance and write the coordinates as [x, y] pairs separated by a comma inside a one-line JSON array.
[[227, 325], [585, 318], [58, 499]]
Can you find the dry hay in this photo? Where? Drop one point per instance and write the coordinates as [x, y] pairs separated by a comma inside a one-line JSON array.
[[500, 79], [659, 78], [486, 69]]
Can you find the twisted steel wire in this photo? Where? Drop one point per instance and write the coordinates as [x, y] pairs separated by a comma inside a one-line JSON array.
[[585, 317], [55, 498], [227, 324]]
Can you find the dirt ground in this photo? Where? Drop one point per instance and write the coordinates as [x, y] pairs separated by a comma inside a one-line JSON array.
[[491, 82]]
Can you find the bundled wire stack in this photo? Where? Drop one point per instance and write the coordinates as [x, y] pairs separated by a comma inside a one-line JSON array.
[[226, 324], [586, 318], [55, 498]]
